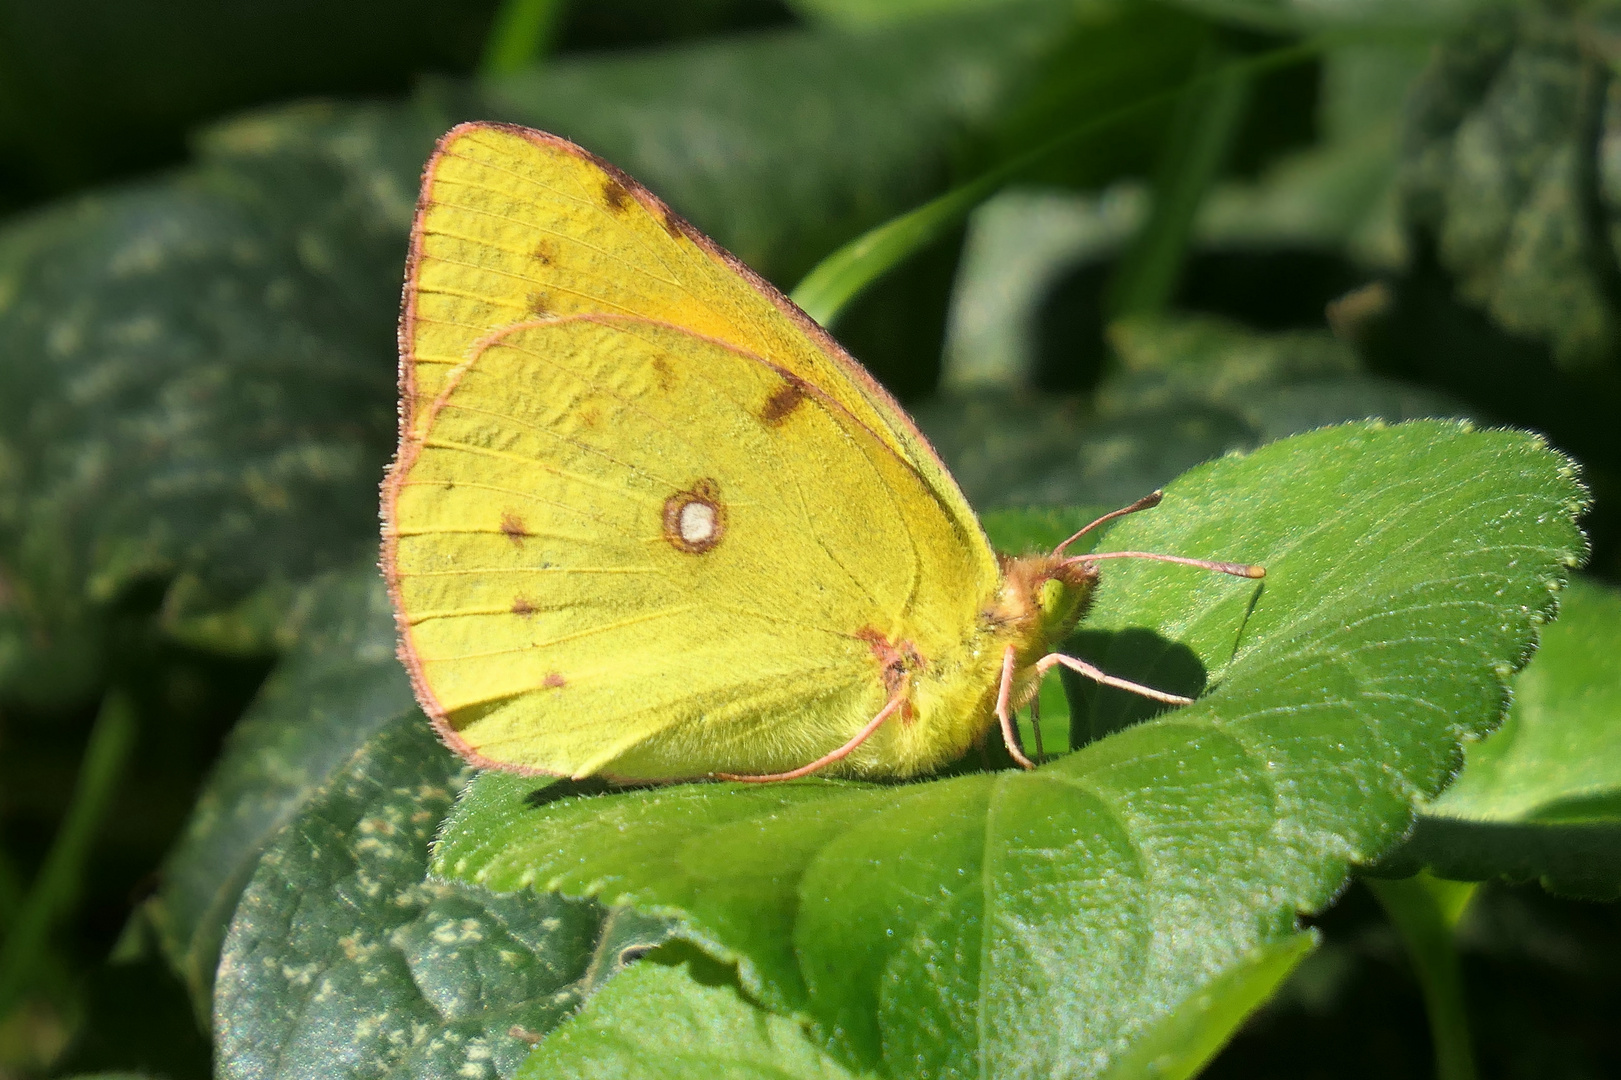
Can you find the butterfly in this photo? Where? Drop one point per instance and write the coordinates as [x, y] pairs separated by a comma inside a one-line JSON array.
[[648, 521]]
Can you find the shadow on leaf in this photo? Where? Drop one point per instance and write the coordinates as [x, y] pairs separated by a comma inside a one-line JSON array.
[[1139, 655]]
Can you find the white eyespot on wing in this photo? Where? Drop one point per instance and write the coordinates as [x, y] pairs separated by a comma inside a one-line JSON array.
[[695, 519], [697, 523]]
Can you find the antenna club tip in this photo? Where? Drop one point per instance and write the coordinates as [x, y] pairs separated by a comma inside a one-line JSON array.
[[1243, 570]]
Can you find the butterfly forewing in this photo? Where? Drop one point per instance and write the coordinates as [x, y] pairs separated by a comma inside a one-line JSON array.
[[515, 225]]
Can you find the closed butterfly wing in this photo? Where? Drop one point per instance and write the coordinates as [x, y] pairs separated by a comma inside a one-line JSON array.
[[515, 225], [620, 547]]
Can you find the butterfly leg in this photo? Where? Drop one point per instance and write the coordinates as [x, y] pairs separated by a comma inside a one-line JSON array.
[[826, 759], [1035, 725], [1004, 709], [1097, 675]]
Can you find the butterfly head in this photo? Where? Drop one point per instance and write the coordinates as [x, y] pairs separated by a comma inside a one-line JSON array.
[[1041, 599]]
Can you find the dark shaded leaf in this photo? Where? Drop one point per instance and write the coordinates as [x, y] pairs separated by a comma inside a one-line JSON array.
[[343, 961], [331, 692], [1187, 389], [1503, 174]]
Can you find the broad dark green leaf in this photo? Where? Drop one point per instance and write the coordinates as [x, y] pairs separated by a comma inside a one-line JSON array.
[[784, 145], [1579, 859], [197, 381], [1505, 176], [919, 927], [338, 683], [343, 961], [1183, 1042], [1187, 389], [660, 1023], [1541, 797]]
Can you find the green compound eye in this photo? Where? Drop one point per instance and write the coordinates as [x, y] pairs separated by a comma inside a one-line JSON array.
[[1054, 598]]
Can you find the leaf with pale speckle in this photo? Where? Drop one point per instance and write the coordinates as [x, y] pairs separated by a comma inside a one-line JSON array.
[[336, 685], [344, 961], [1508, 175]]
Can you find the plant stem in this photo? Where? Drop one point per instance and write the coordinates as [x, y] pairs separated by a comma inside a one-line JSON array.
[[847, 272], [1208, 118], [1425, 911], [521, 33], [55, 891]]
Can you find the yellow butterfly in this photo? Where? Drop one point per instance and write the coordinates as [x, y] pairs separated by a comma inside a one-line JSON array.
[[649, 521]]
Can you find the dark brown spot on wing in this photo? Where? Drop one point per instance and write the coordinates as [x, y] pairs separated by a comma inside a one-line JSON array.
[[614, 195], [538, 303], [675, 224], [546, 251], [897, 661], [512, 527], [520, 606], [784, 401], [663, 373], [554, 681]]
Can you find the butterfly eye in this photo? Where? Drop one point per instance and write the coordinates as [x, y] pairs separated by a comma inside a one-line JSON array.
[[1052, 597]]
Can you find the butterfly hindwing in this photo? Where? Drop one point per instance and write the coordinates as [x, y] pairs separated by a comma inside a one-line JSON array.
[[618, 546]]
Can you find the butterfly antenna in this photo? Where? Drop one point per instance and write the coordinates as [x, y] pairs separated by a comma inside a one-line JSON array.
[[1147, 502], [1243, 570]]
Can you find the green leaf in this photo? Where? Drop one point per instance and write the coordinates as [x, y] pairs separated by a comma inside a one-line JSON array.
[[838, 279], [1504, 176], [782, 146], [918, 927], [1557, 756], [338, 684], [867, 14], [197, 381], [1541, 797], [343, 961], [1187, 389], [1186, 1040], [1581, 860], [657, 1022], [1104, 100]]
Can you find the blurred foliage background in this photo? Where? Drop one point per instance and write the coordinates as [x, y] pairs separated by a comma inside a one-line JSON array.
[[1262, 216]]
